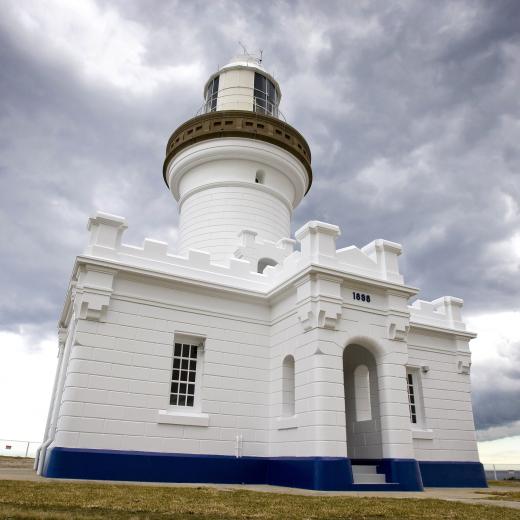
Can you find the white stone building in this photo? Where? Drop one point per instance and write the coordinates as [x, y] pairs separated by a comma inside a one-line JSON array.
[[248, 356]]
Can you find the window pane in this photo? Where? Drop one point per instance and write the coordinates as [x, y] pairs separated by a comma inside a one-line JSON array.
[[183, 374], [213, 94], [260, 93], [271, 98]]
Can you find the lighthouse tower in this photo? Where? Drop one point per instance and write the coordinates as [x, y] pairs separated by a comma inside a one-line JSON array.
[[240, 358], [237, 165]]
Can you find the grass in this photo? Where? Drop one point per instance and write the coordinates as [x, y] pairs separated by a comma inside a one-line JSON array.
[[513, 495], [89, 501], [504, 483]]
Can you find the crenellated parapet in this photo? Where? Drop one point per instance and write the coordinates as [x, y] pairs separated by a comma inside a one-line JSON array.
[[276, 261], [375, 264], [444, 312]]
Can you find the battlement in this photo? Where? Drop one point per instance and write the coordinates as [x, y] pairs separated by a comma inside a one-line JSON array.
[[257, 264], [443, 312]]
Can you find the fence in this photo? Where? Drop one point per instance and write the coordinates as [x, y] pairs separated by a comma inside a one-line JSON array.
[[12, 448], [502, 471]]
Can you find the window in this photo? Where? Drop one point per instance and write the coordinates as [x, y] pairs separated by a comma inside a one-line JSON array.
[[184, 374], [362, 393], [212, 94], [415, 397], [260, 177], [412, 403], [265, 96], [288, 390]]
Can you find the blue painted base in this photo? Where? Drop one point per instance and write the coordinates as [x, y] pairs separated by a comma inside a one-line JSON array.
[[453, 474], [327, 473], [320, 473]]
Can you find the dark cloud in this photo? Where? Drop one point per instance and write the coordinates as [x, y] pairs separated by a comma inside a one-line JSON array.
[[496, 387], [411, 110]]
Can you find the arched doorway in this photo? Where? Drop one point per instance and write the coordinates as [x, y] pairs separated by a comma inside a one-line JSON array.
[[362, 415]]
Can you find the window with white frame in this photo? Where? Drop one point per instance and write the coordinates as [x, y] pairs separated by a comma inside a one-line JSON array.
[[184, 380], [415, 406], [412, 404]]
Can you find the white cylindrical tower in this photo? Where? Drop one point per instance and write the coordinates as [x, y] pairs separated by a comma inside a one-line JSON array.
[[238, 165]]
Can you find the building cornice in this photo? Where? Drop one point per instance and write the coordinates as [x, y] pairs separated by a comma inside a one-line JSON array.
[[239, 123], [442, 330]]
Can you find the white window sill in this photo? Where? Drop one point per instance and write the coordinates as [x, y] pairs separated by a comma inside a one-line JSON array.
[[286, 423], [422, 434], [184, 418]]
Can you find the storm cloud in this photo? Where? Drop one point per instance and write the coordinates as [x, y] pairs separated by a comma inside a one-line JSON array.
[[411, 110]]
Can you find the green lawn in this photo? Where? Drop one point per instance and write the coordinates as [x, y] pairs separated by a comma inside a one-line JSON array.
[[82, 501]]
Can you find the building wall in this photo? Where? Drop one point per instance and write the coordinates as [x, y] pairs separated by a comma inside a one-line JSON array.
[[118, 377], [448, 432], [211, 219]]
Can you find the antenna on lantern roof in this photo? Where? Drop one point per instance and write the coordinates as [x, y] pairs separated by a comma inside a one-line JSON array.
[[243, 47]]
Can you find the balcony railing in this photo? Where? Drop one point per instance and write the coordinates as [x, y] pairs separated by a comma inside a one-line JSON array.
[[241, 98]]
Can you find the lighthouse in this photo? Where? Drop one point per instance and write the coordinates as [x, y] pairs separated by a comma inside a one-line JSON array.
[[248, 354], [238, 165]]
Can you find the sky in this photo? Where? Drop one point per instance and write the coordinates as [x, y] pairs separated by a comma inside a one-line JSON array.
[[411, 110]]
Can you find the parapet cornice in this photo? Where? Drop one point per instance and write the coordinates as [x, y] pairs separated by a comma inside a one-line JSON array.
[[239, 123]]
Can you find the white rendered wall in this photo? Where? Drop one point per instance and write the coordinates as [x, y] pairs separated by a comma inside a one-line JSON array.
[[211, 219], [236, 89], [118, 377], [214, 183], [448, 432]]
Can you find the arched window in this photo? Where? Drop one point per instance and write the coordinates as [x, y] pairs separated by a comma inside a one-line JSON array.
[[288, 386], [362, 393], [264, 262]]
